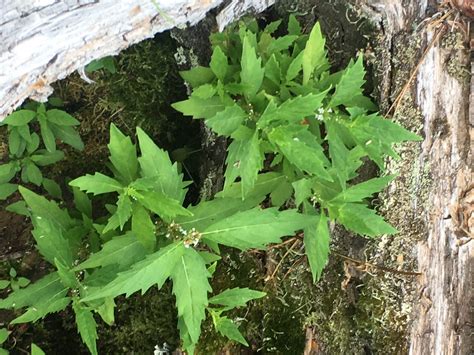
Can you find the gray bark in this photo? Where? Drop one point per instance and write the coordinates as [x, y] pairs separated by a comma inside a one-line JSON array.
[[43, 41], [442, 317]]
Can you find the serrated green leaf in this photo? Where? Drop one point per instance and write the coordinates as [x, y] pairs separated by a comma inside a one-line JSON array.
[[155, 163], [219, 63], [302, 190], [272, 70], [360, 219], [41, 290], [190, 286], [18, 207], [19, 118], [82, 202], [68, 135], [143, 227], [123, 155], [198, 76], [124, 210], [205, 91], [6, 190], [45, 209], [106, 311], [349, 88], [366, 189], [294, 27], [376, 135], [295, 67], [51, 242], [155, 269], [272, 26], [209, 212], [36, 350], [245, 159], [281, 44], [165, 207], [316, 243], [229, 329], [314, 55], [281, 193], [52, 187], [199, 108], [265, 184], [227, 121], [41, 309], [61, 118], [301, 148], [256, 228], [43, 157], [252, 72], [292, 110], [188, 344], [86, 326], [97, 184], [236, 297], [66, 275], [122, 251]]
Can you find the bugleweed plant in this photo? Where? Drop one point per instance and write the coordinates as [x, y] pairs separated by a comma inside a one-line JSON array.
[[284, 111], [298, 134], [148, 237]]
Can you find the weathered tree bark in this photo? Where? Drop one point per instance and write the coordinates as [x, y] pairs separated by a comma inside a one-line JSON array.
[[442, 321], [43, 41]]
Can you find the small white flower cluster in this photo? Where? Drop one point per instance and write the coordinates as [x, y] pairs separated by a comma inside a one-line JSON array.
[[190, 238], [321, 111], [165, 350]]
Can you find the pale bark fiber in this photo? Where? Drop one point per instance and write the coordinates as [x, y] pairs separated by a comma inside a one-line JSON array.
[[43, 41], [442, 321]]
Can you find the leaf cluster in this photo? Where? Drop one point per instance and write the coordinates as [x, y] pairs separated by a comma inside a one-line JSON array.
[[33, 133], [147, 238], [284, 111]]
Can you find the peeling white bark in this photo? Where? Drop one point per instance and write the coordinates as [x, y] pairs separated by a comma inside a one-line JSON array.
[[42, 41]]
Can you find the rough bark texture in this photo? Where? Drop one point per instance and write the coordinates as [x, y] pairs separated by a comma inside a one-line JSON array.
[[45, 40], [442, 318]]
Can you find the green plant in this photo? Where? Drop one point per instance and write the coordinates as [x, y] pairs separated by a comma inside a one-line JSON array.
[[107, 63], [147, 238], [284, 111], [15, 282], [28, 129], [4, 333], [298, 134]]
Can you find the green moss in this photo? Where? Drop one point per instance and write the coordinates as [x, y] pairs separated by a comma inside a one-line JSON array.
[[140, 93], [141, 323], [457, 64]]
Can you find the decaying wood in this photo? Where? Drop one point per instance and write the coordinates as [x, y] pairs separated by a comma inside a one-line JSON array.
[[442, 321], [42, 41]]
